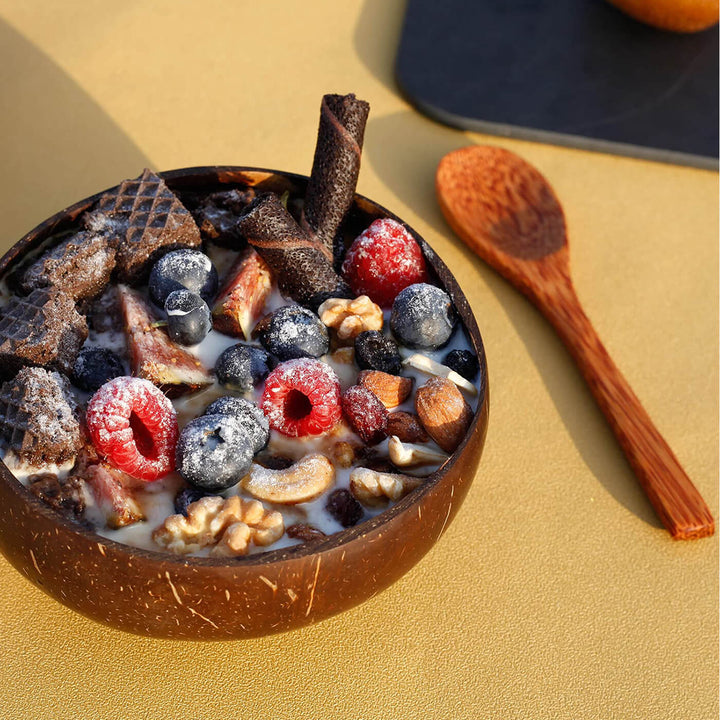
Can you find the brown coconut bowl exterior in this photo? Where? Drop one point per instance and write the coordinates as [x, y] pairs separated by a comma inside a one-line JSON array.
[[162, 595]]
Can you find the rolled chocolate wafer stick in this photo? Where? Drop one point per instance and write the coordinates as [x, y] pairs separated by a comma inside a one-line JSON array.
[[303, 271], [335, 169]]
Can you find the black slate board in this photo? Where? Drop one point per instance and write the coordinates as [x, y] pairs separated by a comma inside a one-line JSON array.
[[569, 72]]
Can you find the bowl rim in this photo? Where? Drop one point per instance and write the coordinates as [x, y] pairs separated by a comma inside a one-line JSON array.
[[228, 174]]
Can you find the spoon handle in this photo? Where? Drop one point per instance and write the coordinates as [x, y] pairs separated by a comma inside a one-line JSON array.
[[676, 500]]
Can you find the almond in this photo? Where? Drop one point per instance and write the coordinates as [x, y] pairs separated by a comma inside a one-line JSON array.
[[392, 390], [406, 427], [443, 412]]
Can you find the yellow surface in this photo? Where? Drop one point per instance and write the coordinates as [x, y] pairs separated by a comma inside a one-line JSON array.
[[554, 594]]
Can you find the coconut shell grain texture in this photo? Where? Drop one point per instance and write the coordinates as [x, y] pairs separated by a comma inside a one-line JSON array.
[[161, 595]]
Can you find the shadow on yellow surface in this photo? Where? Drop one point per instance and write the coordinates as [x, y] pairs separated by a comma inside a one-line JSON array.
[[55, 141]]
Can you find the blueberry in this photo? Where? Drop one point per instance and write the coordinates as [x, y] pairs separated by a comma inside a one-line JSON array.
[[241, 367], [188, 317], [422, 316], [189, 269], [94, 367], [463, 362], [344, 507], [213, 452], [248, 415], [293, 332], [186, 497], [375, 351]]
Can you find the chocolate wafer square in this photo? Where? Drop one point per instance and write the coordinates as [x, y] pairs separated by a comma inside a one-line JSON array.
[[80, 266], [43, 328], [38, 417], [147, 220]]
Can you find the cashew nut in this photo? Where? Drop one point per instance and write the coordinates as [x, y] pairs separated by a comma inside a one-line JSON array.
[[430, 367], [371, 487], [408, 455], [303, 481]]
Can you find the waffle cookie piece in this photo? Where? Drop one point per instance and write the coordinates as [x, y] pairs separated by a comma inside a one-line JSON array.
[[38, 417], [146, 220], [153, 356], [80, 266], [44, 329]]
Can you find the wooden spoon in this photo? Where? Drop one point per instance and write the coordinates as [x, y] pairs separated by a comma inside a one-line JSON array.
[[506, 211]]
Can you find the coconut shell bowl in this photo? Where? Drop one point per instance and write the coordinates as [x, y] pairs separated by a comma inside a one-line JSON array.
[[159, 594]]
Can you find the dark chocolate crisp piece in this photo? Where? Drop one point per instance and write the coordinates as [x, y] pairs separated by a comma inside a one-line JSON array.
[[146, 220], [103, 313], [336, 165], [38, 417], [41, 329], [302, 267], [217, 216], [80, 266], [65, 496]]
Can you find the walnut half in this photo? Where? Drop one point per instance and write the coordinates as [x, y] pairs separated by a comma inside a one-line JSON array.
[[228, 525], [351, 317]]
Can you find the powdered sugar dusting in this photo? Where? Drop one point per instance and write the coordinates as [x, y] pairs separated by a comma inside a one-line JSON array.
[[221, 435], [38, 410], [109, 419], [180, 263], [264, 481], [313, 379], [382, 260]]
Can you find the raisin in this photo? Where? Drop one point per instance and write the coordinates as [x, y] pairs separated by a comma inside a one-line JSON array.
[[344, 507], [306, 533], [274, 462]]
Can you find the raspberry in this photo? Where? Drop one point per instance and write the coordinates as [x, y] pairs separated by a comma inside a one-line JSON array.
[[382, 261], [133, 425], [302, 397], [367, 416]]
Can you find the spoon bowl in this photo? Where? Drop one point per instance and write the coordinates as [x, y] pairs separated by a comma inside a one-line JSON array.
[[508, 214]]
